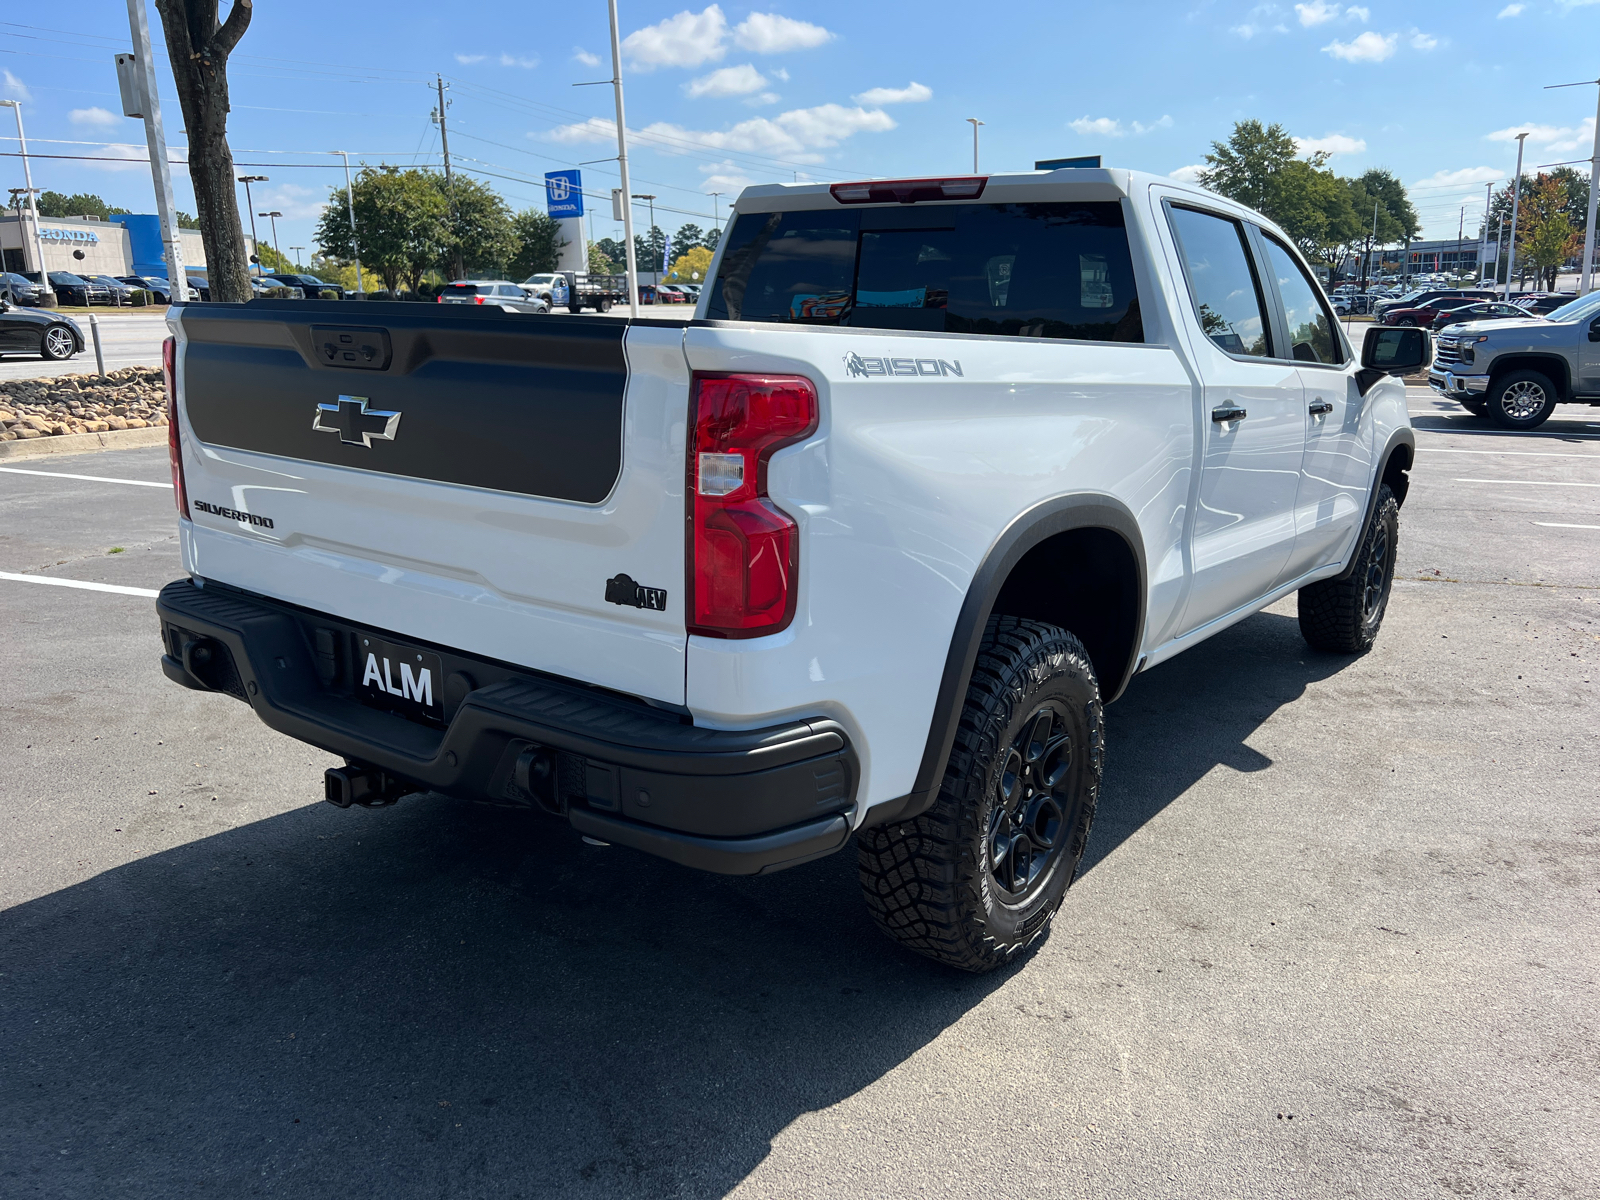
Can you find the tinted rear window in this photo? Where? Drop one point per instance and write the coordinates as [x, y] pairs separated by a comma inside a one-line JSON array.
[[1023, 270], [469, 289]]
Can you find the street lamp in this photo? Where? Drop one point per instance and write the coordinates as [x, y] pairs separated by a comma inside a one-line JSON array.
[[274, 215], [974, 122], [33, 207], [350, 200], [297, 250], [250, 207], [716, 214], [1516, 200]]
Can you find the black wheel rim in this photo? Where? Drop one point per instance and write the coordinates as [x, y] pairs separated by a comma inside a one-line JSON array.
[[1377, 582], [1029, 827]]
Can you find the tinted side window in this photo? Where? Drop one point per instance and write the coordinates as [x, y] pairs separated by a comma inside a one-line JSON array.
[[1226, 294], [1310, 324], [1022, 270]]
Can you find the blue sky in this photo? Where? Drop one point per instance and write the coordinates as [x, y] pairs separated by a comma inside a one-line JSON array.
[[723, 95]]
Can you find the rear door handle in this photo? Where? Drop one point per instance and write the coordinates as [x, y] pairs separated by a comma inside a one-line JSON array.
[[1228, 412], [1320, 407]]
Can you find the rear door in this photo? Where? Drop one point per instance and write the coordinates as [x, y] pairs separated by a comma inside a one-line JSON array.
[[460, 476], [1254, 420]]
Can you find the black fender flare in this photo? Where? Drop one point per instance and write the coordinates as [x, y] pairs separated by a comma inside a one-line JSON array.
[[1059, 514], [1401, 437]]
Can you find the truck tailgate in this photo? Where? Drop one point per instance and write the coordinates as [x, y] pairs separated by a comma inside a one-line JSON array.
[[463, 477]]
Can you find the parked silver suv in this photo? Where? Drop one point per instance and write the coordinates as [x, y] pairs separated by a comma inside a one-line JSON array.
[[1516, 372]]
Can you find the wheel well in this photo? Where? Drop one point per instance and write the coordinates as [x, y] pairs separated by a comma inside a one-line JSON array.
[[1086, 581], [1394, 472], [1551, 365]]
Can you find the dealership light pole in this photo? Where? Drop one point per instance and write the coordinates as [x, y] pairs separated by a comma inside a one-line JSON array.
[[1483, 243], [297, 250], [1516, 201], [274, 215], [140, 98], [350, 199], [974, 122], [622, 163], [33, 208], [255, 243]]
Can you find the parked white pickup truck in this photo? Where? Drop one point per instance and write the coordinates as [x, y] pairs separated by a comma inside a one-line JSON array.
[[861, 549]]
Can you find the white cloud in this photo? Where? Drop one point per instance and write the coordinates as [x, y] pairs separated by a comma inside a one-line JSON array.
[[1364, 47], [727, 81], [1098, 127], [1423, 41], [1248, 31], [685, 40], [762, 99], [913, 93], [1358, 13], [1559, 138], [512, 60], [125, 158], [1443, 180], [1316, 13], [723, 177], [1334, 143], [99, 117], [13, 87], [780, 73], [466, 60], [1111, 127], [797, 134], [579, 54], [1510, 10], [296, 203], [1189, 174], [768, 33]]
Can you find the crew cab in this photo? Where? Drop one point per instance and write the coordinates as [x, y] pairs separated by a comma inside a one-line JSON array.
[[1515, 372], [859, 548]]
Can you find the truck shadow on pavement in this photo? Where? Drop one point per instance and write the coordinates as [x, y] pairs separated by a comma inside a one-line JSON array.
[[444, 999]]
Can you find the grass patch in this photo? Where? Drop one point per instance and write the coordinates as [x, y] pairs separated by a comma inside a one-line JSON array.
[[115, 550]]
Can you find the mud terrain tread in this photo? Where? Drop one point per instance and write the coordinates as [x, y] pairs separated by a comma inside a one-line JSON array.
[[1330, 610]]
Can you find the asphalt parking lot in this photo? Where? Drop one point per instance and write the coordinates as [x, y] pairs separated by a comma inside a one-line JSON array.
[[1337, 933]]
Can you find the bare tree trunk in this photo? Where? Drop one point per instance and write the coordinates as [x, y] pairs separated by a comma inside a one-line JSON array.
[[199, 47]]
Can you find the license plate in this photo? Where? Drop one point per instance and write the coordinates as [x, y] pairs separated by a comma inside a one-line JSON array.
[[401, 679]]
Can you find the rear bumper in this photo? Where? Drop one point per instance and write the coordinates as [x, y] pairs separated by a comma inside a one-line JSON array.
[[738, 802]]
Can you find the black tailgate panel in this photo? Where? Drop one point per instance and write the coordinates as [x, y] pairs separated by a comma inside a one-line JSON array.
[[506, 401]]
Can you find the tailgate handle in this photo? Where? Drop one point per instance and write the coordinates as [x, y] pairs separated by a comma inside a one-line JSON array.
[[354, 347]]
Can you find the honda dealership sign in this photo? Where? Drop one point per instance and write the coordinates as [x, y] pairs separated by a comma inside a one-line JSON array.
[[563, 192]]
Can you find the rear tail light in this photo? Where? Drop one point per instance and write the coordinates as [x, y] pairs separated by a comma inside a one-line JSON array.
[[744, 551], [169, 376], [909, 191]]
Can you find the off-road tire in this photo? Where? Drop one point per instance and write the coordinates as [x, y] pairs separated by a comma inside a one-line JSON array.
[[1343, 616], [1521, 399], [932, 882]]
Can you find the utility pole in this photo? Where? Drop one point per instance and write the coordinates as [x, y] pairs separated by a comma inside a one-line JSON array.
[[974, 122], [458, 267], [147, 101], [255, 243], [622, 163], [33, 208], [656, 270], [274, 214], [716, 210], [1483, 245], [1372, 243], [1516, 201], [350, 199]]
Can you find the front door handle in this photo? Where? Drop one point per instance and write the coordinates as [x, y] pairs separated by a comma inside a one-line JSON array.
[[1320, 407], [1228, 412]]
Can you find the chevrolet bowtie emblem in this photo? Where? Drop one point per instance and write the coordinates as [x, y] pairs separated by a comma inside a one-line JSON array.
[[354, 422]]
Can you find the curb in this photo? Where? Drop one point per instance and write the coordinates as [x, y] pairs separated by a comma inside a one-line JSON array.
[[84, 443]]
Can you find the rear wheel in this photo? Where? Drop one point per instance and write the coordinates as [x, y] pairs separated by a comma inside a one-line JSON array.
[[603, 306], [976, 880], [1343, 616], [1406, 322], [56, 344], [1521, 400]]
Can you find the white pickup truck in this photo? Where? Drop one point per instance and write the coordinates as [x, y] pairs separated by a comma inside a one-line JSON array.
[[860, 549]]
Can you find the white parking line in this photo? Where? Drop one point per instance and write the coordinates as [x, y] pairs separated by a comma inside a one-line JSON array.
[[80, 583], [1513, 453], [1454, 432], [1529, 482], [90, 478], [1564, 525]]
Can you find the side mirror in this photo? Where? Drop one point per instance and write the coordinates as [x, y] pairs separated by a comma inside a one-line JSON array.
[[1392, 350]]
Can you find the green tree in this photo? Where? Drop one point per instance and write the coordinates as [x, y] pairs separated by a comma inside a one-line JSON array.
[[688, 237], [539, 242], [481, 238], [401, 224], [600, 263], [187, 221], [615, 251], [1546, 235], [690, 266], [650, 248], [1259, 166], [82, 204], [713, 239]]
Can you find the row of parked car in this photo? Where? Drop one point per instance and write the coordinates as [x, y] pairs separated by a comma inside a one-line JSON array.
[[84, 291], [1436, 308]]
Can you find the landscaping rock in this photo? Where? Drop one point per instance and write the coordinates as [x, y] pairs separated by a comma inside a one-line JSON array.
[[132, 398]]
